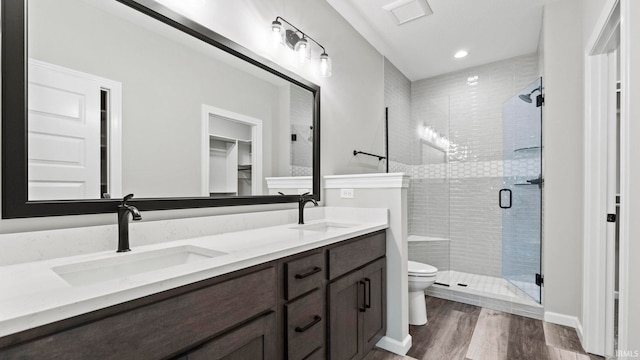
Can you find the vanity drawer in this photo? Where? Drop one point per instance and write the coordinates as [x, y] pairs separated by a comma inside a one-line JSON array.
[[303, 275], [360, 251], [305, 327]]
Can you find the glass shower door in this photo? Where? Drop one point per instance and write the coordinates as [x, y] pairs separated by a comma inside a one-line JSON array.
[[520, 196]]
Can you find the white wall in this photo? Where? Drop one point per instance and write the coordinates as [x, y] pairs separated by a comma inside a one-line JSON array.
[[351, 101], [562, 201], [562, 157], [590, 12]]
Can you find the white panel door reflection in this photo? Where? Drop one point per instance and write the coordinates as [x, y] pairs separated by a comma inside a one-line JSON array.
[[64, 135]]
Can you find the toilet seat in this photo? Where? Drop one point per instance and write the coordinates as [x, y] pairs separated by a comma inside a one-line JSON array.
[[418, 269]]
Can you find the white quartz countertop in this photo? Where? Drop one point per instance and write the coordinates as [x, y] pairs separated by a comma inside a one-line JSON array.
[[33, 294]]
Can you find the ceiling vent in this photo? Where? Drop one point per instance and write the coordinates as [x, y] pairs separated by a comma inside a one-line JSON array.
[[404, 11]]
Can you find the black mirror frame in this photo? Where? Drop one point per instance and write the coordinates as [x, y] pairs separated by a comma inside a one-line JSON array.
[[15, 201]]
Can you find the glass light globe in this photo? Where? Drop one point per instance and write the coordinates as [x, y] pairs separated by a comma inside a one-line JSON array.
[[325, 65], [303, 50]]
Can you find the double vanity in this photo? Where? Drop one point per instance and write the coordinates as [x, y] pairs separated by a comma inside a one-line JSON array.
[[221, 287], [289, 291]]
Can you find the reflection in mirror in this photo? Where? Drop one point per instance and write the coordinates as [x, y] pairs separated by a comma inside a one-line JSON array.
[[122, 103]]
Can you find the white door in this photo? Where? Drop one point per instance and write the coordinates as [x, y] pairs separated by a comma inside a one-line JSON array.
[[64, 134]]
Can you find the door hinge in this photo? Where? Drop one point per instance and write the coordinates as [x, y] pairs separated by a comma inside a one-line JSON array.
[[539, 100], [539, 280], [612, 218]]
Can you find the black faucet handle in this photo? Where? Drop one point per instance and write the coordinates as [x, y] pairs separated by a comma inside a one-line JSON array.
[[126, 198]]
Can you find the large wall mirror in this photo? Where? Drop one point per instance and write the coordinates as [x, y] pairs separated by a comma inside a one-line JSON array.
[[102, 98]]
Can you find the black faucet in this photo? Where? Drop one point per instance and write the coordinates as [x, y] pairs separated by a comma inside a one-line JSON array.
[[304, 199], [123, 222]]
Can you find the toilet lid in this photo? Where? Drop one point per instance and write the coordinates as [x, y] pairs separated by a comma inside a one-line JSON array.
[[420, 269]]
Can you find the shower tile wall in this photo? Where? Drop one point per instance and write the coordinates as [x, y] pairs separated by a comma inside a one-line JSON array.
[[300, 111], [425, 217], [455, 197], [434, 253], [403, 143], [397, 97], [474, 128]]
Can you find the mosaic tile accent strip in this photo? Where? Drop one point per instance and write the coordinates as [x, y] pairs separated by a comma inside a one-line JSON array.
[[301, 171], [529, 168], [398, 167]]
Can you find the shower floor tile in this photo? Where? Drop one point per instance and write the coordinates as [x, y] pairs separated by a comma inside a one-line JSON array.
[[488, 291]]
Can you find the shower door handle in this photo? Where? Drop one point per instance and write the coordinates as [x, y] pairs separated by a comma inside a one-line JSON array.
[[502, 196]]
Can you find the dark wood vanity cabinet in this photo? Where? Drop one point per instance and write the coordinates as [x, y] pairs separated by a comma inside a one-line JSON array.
[[324, 303], [375, 317], [357, 299], [159, 326], [256, 340], [303, 304]]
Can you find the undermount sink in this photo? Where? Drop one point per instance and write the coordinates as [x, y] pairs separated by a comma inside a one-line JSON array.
[[125, 265], [324, 226]]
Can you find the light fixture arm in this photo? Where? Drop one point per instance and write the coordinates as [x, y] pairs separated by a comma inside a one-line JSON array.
[[303, 33]]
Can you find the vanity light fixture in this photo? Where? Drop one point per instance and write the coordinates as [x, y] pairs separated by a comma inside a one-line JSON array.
[[298, 41]]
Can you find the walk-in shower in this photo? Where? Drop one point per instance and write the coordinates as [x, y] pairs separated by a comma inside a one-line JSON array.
[[472, 148]]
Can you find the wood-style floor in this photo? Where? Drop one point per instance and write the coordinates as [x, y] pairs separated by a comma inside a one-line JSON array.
[[460, 331]]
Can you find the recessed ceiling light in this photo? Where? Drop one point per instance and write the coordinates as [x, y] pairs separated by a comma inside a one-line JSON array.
[[460, 54]]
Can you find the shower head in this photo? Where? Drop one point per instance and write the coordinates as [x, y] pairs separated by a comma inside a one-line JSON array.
[[527, 98]]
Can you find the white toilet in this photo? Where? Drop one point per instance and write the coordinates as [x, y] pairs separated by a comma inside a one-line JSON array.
[[421, 276]]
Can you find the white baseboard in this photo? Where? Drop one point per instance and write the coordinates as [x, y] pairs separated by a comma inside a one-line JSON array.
[[566, 320], [579, 331], [561, 319], [395, 346]]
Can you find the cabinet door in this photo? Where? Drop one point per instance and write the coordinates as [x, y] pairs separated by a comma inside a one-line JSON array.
[[375, 317], [255, 340], [346, 301]]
